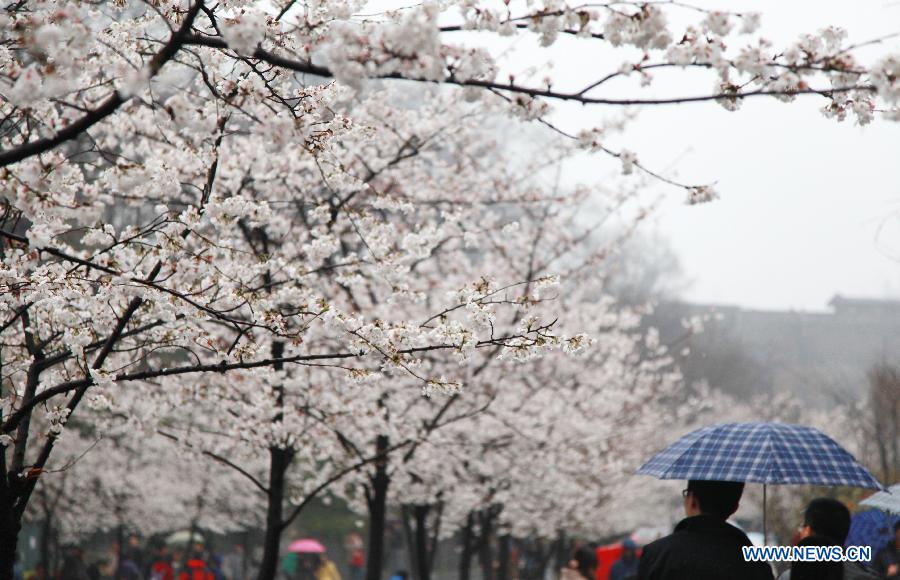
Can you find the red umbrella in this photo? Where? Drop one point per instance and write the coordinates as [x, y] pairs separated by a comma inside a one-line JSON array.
[[306, 546]]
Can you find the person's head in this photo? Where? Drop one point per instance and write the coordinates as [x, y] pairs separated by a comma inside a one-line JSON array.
[[827, 518], [818, 570], [629, 549], [584, 559], [239, 548], [310, 562], [897, 534], [719, 499]]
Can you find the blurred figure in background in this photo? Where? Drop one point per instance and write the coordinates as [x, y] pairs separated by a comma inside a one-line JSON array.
[[129, 569], [39, 572], [582, 565], [17, 568], [73, 567], [626, 567], [214, 562], [354, 546], [177, 562], [196, 568], [161, 564], [316, 567], [136, 552], [234, 563], [887, 561]]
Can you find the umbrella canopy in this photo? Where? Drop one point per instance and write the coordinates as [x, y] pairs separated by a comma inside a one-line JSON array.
[[767, 453], [871, 528], [888, 500], [306, 546], [184, 538]]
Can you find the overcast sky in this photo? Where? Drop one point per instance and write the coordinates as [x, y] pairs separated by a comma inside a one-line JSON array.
[[803, 197]]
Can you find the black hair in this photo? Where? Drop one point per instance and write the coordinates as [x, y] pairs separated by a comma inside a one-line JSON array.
[[897, 527], [586, 557], [717, 498], [828, 518]]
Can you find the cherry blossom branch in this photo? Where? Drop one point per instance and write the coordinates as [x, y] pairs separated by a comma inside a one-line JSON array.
[[223, 461], [109, 106], [222, 367], [577, 96], [337, 477]]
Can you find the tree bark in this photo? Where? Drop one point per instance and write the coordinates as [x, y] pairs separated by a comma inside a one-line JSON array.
[[409, 535], [503, 572], [486, 552], [279, 460], [278, 463], [46, 534], [10, 526], [377, 503], [423, 555], [561, 555], [465, 558]]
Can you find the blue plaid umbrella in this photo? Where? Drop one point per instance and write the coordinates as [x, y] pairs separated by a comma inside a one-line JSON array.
[[766, 453], [871, 528]]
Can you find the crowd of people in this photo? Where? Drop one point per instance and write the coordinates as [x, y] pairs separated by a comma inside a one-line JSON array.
[[158, 561], [704, 546]]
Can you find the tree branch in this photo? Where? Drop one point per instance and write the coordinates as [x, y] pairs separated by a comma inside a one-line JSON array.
[[108, 107]]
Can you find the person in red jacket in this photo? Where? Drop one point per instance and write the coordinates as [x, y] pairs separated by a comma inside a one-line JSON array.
[[196, 568], [161, 567]]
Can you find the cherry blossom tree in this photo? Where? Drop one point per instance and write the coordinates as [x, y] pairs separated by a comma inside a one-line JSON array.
[[120, 479], [198, 197]]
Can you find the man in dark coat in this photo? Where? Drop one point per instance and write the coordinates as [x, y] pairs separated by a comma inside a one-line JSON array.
[[827, 521], [704, 546], [887, 561]]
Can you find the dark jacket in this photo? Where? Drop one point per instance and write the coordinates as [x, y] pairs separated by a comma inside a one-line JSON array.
[[889, 555], [852, 571], [701, 548]]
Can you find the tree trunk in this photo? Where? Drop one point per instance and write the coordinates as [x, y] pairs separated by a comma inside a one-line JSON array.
[[503, 572], [410, 537], [465, 558], [543, 558], [377, 503], [46, 532], [120, 545], [10, 526], [486, 552], [561, 557], [423, 555], [279, 460]]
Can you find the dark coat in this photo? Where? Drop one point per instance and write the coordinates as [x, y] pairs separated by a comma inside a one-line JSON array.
[[889, 555], [701, 548]]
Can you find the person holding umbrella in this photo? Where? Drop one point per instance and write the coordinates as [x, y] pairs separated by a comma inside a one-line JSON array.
[[704, 546], [311, 561]]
